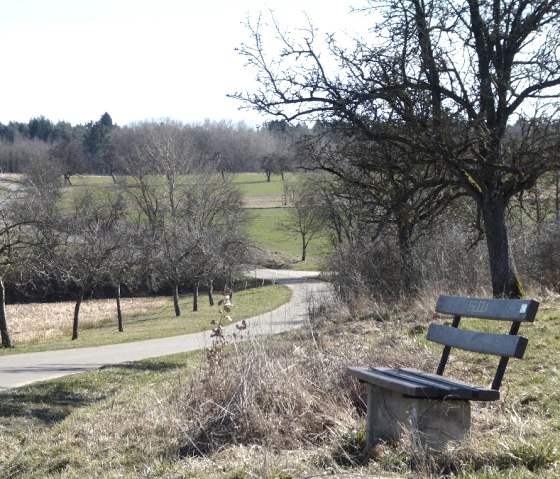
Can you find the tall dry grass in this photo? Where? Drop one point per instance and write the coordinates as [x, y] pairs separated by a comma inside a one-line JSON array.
[[285, 407], [37, 321]]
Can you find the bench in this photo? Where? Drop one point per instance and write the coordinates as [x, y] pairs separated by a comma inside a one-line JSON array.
[[433, 408]]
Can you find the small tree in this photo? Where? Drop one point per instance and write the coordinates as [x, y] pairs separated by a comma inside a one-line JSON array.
[[17, 215], [86, 243], [304, 219], [124, 267]]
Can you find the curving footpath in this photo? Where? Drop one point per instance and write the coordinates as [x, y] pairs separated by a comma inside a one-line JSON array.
[[21, 369]]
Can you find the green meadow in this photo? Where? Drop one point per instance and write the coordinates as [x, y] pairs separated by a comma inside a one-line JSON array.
[[265, 205]]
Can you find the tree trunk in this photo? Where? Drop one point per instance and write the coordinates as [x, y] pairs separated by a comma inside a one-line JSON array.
[[4, 332], [77, 314], [303, 248], [538, 211], [119, 310], [195, 299], [211, 293], [176, 300], [505, 281], [409, 277], [557, 196]]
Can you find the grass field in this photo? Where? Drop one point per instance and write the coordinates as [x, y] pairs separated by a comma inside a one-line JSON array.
[[280, 408], [266, 233], [46, 327], [264, 201]]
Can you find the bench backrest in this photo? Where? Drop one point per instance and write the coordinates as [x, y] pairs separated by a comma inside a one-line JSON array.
[[504, 345]]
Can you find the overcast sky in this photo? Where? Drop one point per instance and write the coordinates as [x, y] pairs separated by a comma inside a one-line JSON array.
[[73, 60]]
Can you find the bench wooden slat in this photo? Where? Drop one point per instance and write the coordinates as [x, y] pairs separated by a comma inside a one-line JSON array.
[[499, 309], [486, 343], [417, 384], [476, 392]]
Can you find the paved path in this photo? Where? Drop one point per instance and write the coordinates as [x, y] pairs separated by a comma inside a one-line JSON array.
[[20, 369]]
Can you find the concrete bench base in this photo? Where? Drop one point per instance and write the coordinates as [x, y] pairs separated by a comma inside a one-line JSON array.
[[433, 423]]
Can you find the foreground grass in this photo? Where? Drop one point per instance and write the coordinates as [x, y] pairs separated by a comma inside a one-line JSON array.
[[283, 407], [44, 427], [158, 321]]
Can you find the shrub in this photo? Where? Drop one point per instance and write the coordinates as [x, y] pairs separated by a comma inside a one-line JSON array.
[[446, 259], [538, 255]]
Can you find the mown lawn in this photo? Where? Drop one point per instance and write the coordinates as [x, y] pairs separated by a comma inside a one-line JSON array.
[[266, 232], [264, 202]]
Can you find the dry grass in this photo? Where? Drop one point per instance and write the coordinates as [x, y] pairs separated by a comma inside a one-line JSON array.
[[286, 408], [37, 321], [12, 177]]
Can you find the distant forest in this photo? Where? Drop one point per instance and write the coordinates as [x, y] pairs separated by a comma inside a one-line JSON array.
[[92, 148]]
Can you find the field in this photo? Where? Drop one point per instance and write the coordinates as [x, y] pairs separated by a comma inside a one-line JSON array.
[[264, 203], [47, 326], [283, 408]]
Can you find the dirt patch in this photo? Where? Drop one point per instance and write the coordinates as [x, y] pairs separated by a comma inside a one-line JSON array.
[[263, 201]]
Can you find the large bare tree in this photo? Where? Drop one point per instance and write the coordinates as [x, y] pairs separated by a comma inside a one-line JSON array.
[[459, 72]]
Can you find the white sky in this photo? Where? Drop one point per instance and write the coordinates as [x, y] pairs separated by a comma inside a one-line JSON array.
[[73, 60]]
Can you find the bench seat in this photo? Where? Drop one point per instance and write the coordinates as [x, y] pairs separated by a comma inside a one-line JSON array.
[[413, 383]]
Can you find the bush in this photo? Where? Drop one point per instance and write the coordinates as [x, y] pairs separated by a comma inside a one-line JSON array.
[[367, 268], [445, 260], [538, 255], [264, 394]]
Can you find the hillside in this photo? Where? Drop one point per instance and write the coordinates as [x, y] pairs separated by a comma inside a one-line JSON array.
[[283, 407]]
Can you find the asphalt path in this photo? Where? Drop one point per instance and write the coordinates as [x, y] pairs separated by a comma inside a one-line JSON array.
[[21, 369]]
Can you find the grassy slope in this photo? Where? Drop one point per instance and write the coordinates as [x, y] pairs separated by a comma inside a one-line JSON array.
[[145, 419], [264, 201]]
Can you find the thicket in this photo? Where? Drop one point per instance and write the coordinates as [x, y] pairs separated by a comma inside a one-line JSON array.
[[449, 258]]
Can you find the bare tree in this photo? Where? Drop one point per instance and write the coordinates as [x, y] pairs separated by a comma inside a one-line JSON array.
[[85, 243], [470, 67], [304, 220], [26, 208], [17, 217]]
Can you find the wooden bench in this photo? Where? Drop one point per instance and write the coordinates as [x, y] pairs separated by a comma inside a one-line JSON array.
[[436, 409]]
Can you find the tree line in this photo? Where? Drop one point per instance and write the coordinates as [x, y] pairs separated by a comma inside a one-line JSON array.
[[91, 148]]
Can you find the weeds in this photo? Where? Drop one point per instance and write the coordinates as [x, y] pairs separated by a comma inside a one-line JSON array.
[[281, 407]]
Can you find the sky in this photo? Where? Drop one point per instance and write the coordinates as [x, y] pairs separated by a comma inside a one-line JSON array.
[[73, 60]]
